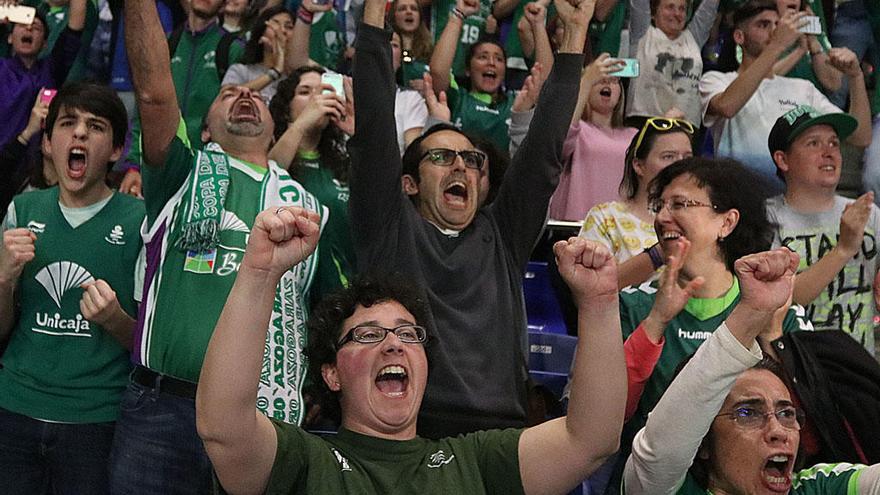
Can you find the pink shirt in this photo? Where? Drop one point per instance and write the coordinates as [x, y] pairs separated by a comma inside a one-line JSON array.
[[593, 158]]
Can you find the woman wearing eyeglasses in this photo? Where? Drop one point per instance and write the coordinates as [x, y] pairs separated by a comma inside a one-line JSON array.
[[728, 424], [708, 214], [626, 227], [311, 123]]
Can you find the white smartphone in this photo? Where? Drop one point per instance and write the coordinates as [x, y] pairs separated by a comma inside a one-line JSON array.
[[334, 80], [19, 14], [810, 25], [630, 68]]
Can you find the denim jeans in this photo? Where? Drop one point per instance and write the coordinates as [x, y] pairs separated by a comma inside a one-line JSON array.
[[156, 449], [37, 457], [852, 30]]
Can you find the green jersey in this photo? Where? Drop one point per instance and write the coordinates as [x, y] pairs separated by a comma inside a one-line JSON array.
[[326, 41], [56, 18], [476, 112], [471, 29], [59, 366], [821, 479], [478, 463], [685, 333], [337, 264], [185, 291]]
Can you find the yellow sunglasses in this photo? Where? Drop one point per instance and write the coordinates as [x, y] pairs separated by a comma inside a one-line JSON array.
[[662, 124]]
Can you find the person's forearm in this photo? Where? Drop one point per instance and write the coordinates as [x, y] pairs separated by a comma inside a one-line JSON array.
[[665, 448], [784, 65], [298, 45], [573, 40], [829, 78], [374, 13], [639, 21], [120, 326], [76, 19], [740, 91], [702, 21], [444, 53], [148, 58], [543, 50], [526, 40], [598, 388], [860, 108], [641, 358], [583, 96], [231, 370], [812, 281], [503, 8], [286, 147]]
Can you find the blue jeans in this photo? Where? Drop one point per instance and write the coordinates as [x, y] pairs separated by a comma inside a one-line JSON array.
[[852, 30], [156, 449], [37, 457]]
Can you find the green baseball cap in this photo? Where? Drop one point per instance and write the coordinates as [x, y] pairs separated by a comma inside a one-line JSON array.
[[799, 119]]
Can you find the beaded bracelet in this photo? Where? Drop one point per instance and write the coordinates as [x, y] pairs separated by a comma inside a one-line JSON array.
[[458, 13]]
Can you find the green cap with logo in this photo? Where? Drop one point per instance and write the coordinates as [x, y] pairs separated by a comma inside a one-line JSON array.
[[799, 119]]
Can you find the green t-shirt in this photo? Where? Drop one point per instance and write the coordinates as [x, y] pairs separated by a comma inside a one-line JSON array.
[[56, 18], [475, 112], [685, 333], [185, 291], [821, 479], [326, 42], [60, 366], [486, 462], [337, 265], [470, 31]]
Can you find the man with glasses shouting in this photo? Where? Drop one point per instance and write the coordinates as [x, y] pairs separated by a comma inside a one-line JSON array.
[[367, 345], [467, 259]]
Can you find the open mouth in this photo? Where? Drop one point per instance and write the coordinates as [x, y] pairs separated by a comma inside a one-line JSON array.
[[670, 236], [776, 474], [606, 92], [27, 39], [392, 380], [244, 110], [76, 163], [490, 75], [456, 194]]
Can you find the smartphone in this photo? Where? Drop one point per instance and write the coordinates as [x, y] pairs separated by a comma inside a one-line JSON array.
[[810, 25], [334, 80], [630, 68], [19, 14], [46, 95]]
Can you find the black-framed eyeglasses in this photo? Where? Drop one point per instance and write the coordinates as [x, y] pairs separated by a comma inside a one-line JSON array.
[[373, 334], [444, 157], [662, 124], [752, 418], [676, 204]]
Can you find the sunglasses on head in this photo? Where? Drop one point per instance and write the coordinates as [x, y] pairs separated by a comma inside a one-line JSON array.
[[662, 124]]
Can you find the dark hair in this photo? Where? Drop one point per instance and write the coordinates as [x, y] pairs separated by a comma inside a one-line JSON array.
[[97, 99], [412, 156], [629, 183], [730, 185], [325, 323], [750, 9], [254, 50], [700, 468], [423, 44], [332, 146]]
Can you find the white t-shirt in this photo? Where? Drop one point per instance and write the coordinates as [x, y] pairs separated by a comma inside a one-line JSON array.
[[669, 76], [410, 111], [744, 137]]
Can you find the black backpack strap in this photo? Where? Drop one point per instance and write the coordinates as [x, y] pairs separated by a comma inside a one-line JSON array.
[[174, 40], [221, 56]]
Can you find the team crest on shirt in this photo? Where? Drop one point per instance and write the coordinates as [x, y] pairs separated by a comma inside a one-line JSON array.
[[36, 227], [439, 458], [116, 236], [343, 462]]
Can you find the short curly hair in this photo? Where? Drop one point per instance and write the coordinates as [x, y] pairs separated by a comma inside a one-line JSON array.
[[325, 323], [730, 185]]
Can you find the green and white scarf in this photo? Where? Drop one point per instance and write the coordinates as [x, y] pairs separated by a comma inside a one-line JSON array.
[[209, 182]]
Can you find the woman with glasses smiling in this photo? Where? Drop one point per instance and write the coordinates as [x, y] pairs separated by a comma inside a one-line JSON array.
[[728, 424], [708, 214]]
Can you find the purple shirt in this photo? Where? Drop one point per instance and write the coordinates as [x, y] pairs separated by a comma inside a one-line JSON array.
[[21, 85]]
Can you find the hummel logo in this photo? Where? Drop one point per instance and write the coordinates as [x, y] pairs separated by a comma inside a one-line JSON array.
[[116, 236], [36, 227], [343, 462]]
